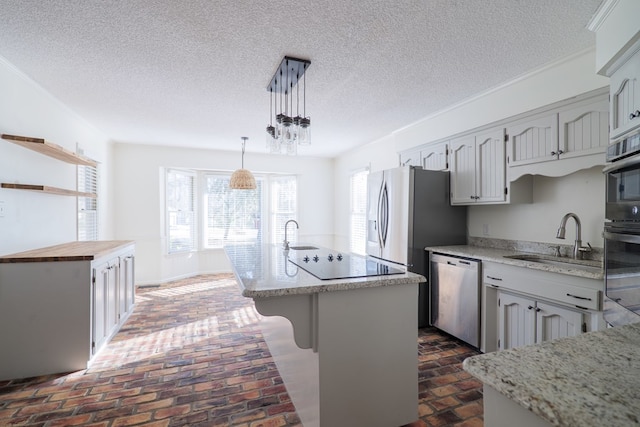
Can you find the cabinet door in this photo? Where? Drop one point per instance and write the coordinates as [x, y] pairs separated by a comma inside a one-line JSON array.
[[127, 265], [490, 167], [99, 304], [410, 158], [112, 295], [463, 171], [584, 130], [516, 321], [533, 141], [625, 97], [553, 322], [434, 157]]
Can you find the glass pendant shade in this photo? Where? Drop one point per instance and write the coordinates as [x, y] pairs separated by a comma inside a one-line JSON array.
[[304, 132], [242, 179]]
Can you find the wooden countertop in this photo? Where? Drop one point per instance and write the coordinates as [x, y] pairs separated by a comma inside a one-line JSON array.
[[72, 251]]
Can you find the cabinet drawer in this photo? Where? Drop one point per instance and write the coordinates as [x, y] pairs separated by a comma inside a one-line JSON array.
[[570, 290]]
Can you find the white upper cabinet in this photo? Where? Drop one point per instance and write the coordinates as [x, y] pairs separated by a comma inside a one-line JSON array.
[[410, 158], [490, 167], [435, 157], [561, 141], [463, 170], [584, 129], [533, 140], [477, 168], [625, 98]]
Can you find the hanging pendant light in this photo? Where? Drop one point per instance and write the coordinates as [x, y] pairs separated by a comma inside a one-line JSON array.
[[289, 131], [242, 179]]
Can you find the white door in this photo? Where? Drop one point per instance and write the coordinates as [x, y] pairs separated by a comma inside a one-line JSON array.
[[462, 166], [533, 141], [554, 322], [516, 321], [584, 130], [490, 167], [625, 97], [434, 157], [99, 329]]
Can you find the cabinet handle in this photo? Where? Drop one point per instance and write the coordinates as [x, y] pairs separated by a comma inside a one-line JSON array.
[[494, 278], [553, 153], [538, 309], [579, 297], [530, 307], [560, 152], [634, 115]]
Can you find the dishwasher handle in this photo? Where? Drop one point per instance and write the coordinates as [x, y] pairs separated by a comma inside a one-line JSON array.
[[466, 263]]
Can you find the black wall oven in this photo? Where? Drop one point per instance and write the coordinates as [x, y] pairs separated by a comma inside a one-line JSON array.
[[622, 232]]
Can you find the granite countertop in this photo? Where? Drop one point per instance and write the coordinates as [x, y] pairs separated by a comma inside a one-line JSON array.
[[499, 255], [72, 251], [263, 271], [589, 380]]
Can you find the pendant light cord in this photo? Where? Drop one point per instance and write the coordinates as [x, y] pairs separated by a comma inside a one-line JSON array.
[[244, 140]]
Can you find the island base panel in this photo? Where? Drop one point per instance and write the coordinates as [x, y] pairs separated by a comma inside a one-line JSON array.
[[500, 411], [365, 370]]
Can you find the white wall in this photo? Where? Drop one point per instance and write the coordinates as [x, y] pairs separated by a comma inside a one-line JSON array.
[[139, 183], [582, 193], [33, 219]]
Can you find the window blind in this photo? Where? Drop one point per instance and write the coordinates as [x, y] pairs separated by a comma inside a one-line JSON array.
[[87, 182], [358, 217], [180, 204], [232, 216], [284, 206]]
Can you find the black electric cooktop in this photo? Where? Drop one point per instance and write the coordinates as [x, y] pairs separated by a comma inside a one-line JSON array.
[[327, 265]]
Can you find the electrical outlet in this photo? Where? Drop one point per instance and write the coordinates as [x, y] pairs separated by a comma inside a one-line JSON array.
[[485, 229]]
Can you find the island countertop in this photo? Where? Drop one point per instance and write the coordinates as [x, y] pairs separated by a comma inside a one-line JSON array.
[[592, 379], [72, 251], [264, 271]]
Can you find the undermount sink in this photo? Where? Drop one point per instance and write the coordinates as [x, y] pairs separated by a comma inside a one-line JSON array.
[[303, 248], [586, 265]]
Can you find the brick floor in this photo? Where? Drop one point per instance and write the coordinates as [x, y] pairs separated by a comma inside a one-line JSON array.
[[192, 354]]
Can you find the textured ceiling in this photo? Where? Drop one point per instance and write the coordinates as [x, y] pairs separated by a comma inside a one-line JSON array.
[[195, 72]]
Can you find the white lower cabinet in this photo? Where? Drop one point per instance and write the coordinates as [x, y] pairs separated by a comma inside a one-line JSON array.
[[522, 306], [523, 320], [60, 305]]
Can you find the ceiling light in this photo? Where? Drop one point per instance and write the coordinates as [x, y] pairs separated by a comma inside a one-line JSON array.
[[242, 179], [289, 131]]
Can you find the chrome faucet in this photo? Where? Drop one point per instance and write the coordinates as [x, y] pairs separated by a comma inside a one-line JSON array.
[[286, 242], [561, 231]]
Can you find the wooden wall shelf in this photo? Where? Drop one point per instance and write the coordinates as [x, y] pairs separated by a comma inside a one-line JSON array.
[[50, 149], [47, 189]]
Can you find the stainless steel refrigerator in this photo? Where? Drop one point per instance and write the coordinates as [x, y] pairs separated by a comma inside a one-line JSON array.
[[408, 209]]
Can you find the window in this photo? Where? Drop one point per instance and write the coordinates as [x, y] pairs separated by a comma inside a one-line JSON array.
[[231, 216], [228, 216], [180, 204], [87, 206], [283, 207], [358, 216]]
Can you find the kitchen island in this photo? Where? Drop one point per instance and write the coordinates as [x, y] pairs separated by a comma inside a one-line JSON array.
[[346, 348], [589, 380]]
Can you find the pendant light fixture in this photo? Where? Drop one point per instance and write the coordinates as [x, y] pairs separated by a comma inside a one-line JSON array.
[[242, 179], [289, 131]]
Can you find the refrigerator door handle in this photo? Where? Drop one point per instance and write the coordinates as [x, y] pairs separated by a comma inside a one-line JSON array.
[[384, 215], [379, 216]]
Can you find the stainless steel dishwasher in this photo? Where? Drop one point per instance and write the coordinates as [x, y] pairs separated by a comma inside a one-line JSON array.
[[455, 290]]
